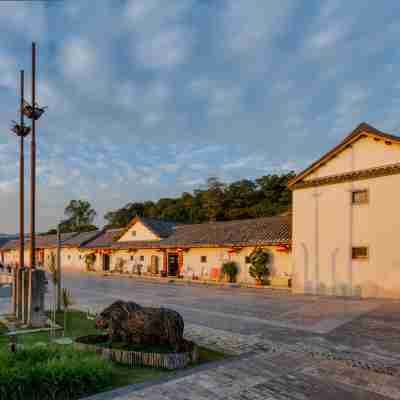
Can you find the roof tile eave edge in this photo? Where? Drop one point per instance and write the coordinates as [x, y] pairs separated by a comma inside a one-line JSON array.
[[375, 172], [361, 129]]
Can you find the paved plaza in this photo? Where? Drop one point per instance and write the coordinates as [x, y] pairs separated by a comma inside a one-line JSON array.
[[284, 346]]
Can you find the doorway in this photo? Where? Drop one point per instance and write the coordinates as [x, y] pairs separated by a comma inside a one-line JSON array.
[[106, 262], [173, 264]]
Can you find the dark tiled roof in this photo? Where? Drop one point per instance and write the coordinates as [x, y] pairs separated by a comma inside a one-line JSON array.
[[272, 230], [105, 239], [81, 238], [42, 241], [4, 240], [160, 227], [9, 245], [363, 127], [51, 240], [269, 230]]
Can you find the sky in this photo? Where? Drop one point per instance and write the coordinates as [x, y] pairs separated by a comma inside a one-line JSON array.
[[149, 98]]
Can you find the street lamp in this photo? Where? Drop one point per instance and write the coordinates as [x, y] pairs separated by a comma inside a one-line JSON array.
[[20, 130], [33, 113]]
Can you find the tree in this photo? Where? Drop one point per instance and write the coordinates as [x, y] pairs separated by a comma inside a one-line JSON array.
[[265, 196], [214, 198], [80, 217], [121, 217], [260, 264]]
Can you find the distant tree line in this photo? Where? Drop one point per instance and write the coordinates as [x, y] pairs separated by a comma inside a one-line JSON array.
[[218, 201], [263, 197]]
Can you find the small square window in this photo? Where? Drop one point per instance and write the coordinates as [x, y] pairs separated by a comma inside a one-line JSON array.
[[133, 233], [247, 260], [203, 259], [141, 258], [131, 258], [359, 197], [359, 252]]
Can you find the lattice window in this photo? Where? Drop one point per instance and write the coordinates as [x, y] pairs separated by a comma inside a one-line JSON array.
[[359, 197], [360, 252]]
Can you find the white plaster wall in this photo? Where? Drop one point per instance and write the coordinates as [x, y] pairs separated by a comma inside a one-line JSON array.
[[363, 154], [280, 262], [142, 233], [325, 232]]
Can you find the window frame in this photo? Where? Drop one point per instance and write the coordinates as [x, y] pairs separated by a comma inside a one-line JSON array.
[[357, 191], [203, 259], [355, 257], [133, 233]]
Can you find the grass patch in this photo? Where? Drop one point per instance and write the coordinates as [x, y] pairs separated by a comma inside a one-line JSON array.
[[46, 373], [79, 325], [3, 329]]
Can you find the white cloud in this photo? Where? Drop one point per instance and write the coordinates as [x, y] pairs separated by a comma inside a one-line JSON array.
[[160, 38], [78, 59], [8, 71], [24, 18], [252, 25]]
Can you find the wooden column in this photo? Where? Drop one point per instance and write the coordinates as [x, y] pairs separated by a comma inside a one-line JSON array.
[[180, 262], [165, 262]]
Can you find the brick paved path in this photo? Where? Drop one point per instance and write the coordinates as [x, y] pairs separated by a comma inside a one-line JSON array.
[[284, 346]]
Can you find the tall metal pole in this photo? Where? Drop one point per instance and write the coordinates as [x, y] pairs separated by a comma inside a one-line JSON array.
[[33, 186], [58, 268], [20, 299]]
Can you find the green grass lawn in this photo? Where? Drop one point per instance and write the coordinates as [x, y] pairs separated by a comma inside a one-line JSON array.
[[79, 325], [3, 329]]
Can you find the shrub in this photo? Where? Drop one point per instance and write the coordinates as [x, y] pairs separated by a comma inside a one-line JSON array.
[[231, 269], [90, 259], [48, 373], [119, 265], [260, 264]]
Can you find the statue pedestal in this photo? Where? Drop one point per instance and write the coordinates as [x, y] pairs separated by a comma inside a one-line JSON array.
[[39, 286], [36, 307]]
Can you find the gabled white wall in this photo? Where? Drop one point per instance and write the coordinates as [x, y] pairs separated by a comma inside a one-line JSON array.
[[142, 233], [363, 154]]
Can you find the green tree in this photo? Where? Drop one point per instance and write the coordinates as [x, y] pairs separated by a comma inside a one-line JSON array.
[[80, 217], [260, 264], [213, 198]]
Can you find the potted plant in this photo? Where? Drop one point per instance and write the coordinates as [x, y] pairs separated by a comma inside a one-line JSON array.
[[260, 265], [119, 265], [230, 269], [90, 259]]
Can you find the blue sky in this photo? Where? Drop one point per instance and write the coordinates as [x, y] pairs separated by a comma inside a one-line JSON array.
[[148, 98]]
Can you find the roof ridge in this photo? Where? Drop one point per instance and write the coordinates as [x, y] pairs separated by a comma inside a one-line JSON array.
[[362, 127]]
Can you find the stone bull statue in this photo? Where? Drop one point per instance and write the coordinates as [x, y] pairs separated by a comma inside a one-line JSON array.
[[131, 323]]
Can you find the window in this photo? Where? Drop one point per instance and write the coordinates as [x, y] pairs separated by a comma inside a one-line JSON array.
[[141, 258], [359, 253], [247, 260], [69, 257], [133, 233], [203, 259], [131, 258], [359, 197]]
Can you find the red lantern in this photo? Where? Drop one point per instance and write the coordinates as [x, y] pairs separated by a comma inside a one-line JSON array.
[[282, 248]]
